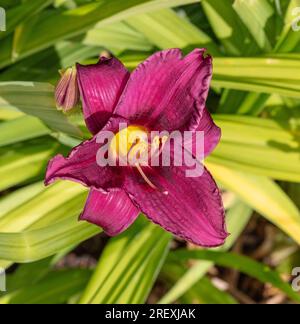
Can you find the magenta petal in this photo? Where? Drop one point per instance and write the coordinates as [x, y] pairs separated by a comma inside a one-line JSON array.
[[192, 209], [167, 91], [100, 87], [212, 133], [113, 211], [81, 166]]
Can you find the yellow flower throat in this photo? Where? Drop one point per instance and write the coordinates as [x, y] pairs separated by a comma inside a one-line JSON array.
[[131, 146]]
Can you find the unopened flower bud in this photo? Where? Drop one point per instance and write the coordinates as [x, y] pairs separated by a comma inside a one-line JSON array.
[[67, 91]]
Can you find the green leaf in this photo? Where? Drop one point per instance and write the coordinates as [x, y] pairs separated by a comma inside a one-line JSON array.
[[255, 15], [289, 39], [200, 292], [36, 99], [19, 197], [24, 162], [257, 20], [166, 29], [128, 266], [36, 207], [242, 103], [21, 129], [263, 147], [117, 37], [49, 205], [29, 209], [54, 26], [56, 288], [241, 263], [9, 3], [228, 28], [22, 12], [62, 55], [205, 291], [32, 245], [263, 75], [267, 68], [7, 114], [27, 274], [15, 200]]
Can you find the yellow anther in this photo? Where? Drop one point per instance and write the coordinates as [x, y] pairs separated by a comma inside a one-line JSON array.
[[128, 142], [139, 153], [131, 146], [164, 140]]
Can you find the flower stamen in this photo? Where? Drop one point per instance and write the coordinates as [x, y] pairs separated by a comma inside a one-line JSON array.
[[131, 147]]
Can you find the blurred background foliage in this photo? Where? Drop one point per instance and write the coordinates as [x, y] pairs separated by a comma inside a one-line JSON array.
[[255, 99]]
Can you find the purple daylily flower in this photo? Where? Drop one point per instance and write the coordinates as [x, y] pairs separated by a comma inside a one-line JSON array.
[[166, 92]]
